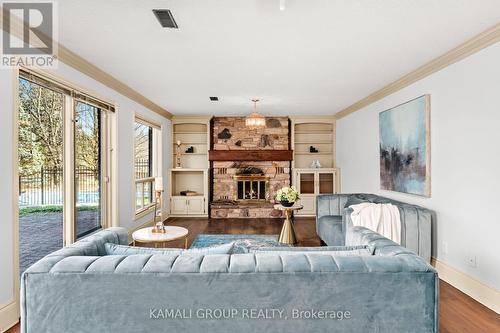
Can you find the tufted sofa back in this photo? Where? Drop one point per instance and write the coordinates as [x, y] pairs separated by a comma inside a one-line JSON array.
[[88, 256], [416, 221]]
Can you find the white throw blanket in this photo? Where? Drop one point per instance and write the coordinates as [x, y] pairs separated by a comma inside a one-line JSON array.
[[381, 218]]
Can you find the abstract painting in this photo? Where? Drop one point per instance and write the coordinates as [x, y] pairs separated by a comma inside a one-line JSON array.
[[405, 147]]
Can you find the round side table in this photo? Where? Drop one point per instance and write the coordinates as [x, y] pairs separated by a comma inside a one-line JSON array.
[[145, 235], [287, 235]]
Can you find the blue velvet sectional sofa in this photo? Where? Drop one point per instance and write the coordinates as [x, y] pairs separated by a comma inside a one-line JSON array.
[[81, 288], [333, 219]]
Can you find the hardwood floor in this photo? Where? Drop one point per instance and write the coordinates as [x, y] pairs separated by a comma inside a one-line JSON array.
[[458, 313]]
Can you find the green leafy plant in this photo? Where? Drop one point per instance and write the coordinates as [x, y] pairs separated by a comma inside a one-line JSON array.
[[286, 193]]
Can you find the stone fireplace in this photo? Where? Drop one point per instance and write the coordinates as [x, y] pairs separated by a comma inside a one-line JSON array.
[[248, 167]]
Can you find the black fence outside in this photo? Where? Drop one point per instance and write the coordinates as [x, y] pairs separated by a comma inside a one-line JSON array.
[[142, 169], [46, 186]]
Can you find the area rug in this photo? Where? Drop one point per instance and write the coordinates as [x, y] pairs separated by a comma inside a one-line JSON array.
[[242, 243]]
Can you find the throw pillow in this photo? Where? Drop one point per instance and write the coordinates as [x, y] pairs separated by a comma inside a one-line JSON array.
[[115, 249]]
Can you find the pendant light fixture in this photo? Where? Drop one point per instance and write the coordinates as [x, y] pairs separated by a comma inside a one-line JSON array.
[[255, 120]]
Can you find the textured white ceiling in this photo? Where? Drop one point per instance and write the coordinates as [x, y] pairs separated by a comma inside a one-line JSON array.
[[315, 57]]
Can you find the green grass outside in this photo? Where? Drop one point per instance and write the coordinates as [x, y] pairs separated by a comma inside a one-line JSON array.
[[53, 209]]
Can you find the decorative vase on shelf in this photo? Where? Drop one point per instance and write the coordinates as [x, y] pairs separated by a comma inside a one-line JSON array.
[[315, 164]]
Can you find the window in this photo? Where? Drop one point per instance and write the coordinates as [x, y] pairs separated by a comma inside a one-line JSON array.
[[145, 160]]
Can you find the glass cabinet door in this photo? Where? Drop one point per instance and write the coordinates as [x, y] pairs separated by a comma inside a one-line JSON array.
[[306, 183], [326, 182]]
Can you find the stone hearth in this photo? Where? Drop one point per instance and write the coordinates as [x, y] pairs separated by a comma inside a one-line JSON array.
[[244, 210]]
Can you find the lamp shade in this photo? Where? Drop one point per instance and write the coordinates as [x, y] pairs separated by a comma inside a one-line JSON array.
[[255, 120], [159, 184]]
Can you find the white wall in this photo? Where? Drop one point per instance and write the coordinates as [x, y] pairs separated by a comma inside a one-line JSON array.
[[6, 195], [126, 109], [465, 155]]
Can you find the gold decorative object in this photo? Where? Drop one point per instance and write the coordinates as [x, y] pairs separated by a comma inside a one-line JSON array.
[[159, 228], [287, 235], [255, 120], [178, 155]]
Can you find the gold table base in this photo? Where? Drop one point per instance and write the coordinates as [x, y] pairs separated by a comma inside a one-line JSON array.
[[287, 235]]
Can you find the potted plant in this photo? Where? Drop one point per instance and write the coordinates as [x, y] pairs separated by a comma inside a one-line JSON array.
[[287, 196]]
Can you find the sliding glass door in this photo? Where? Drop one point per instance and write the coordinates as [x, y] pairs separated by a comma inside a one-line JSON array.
[[87, 173], [63, 172], [41, 163]]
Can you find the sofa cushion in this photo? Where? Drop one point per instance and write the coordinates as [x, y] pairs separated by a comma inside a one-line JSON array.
[[357, 250], [115, 249]]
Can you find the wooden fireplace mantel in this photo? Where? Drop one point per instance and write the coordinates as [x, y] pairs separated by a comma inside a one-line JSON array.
[[250, 155]]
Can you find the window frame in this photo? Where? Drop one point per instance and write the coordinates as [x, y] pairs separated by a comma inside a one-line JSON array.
[[154, 158]]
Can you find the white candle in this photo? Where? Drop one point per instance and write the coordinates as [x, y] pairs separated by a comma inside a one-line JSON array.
[[158, 184]]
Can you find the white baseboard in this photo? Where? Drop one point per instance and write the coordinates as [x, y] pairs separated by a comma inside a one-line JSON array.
[[482, 293], [9, 316]]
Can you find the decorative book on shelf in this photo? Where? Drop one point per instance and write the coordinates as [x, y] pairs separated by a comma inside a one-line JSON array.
[[189, 193]]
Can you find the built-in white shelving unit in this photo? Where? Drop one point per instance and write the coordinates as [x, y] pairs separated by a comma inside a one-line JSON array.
[[193, 174], [318, 132]]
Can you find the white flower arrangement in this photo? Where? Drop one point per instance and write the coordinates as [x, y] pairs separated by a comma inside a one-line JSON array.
[[286, 193]]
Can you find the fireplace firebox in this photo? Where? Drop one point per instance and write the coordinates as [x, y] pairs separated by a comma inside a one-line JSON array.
[[251, 188]]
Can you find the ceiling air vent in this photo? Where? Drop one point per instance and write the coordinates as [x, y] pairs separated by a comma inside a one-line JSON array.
[[214, 98], [165, 18]]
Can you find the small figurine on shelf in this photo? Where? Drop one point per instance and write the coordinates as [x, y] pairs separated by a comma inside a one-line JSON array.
[[178, 155], [190, 150], [315, 164], [313, 149]]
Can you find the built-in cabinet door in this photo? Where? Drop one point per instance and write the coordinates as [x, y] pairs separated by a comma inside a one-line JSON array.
[[309, 204], [305, 182], [196, 205], [311, 183], [179, 205], [325, 182]]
